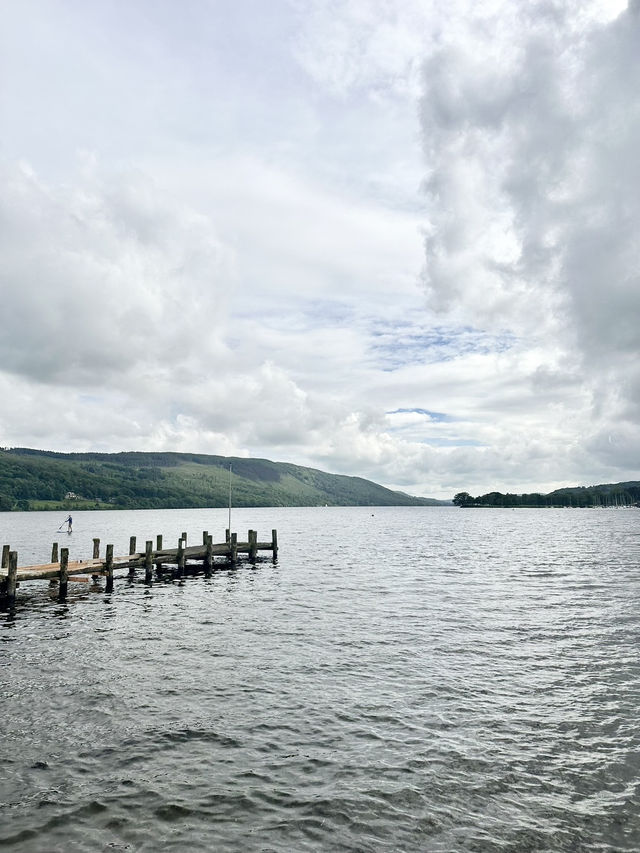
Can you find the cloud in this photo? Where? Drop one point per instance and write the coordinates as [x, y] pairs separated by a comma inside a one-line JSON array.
[[531, 123], [370, 47], [95, 275], [212, 236]]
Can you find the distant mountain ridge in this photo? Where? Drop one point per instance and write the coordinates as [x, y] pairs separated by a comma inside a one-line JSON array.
[[41, 479]]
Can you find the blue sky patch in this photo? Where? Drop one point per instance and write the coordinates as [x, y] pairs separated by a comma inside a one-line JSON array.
[[397, 345], [452, 442], [434, 416]]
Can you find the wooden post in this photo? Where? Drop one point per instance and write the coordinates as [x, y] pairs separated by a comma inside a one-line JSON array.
[[208, 560], [181, 558], [108, 567], [184, 538], [54, 559], [253, 545], [227, 536], [159, 548], [233, 549], [148, 562], [205, 534], [132, 545], [274, 543], [11, 580], [64, 576], [96, 549], [4, 581]]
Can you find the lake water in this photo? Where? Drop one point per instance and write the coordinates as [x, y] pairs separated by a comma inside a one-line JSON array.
[[403, 679]]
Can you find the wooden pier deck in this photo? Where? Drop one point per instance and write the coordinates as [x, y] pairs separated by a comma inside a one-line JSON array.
[[177, 562]]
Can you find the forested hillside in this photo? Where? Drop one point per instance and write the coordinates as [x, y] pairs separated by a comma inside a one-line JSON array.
[[37, 479]]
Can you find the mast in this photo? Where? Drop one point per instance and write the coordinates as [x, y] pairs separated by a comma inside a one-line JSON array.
[[229, 498]]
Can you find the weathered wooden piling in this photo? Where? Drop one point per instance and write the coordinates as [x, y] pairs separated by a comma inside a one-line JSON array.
[[159, 542], [108, 568], [96, 549], [184, 538], [253, 545], [181, 557], [132, 545], [205, 536], [208, 558], [3, 580], [54, 552], [274, 543], [148, 562], [233, 549], [64, 573], [12, 582]]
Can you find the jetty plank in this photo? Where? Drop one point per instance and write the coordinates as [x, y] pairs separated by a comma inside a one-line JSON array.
[[105, 566]]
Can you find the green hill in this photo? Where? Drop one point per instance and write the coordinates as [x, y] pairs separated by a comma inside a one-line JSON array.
[[40, 479]]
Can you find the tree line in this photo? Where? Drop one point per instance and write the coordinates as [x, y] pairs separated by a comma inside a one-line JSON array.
[[609, 495]]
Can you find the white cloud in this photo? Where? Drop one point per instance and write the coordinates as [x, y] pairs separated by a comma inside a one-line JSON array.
[[214, 239], [372, 47], [93, 273], [530, 138]]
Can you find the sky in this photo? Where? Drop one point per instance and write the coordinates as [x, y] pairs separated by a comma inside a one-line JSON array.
[[395, 239]]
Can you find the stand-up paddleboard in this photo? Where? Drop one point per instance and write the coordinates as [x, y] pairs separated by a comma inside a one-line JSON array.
[[68, 520]]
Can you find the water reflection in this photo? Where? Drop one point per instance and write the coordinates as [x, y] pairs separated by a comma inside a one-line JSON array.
[[8, 619]]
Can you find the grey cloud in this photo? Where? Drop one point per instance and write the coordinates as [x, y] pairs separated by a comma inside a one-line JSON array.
[[531, 142], [531, 130], [617, 448]]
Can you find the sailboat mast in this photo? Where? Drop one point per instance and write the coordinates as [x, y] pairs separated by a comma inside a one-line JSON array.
[[229, 498]]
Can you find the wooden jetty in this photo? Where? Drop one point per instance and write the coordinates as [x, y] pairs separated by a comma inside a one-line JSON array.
[[174, 562]]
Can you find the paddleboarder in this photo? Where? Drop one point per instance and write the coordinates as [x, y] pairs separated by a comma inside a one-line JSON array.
[[69, 522]]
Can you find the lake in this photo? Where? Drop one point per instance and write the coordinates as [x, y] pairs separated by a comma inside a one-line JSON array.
[[402, 679]]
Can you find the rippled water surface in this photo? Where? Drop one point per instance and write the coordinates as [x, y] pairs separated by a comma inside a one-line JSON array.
[[402, 679]]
